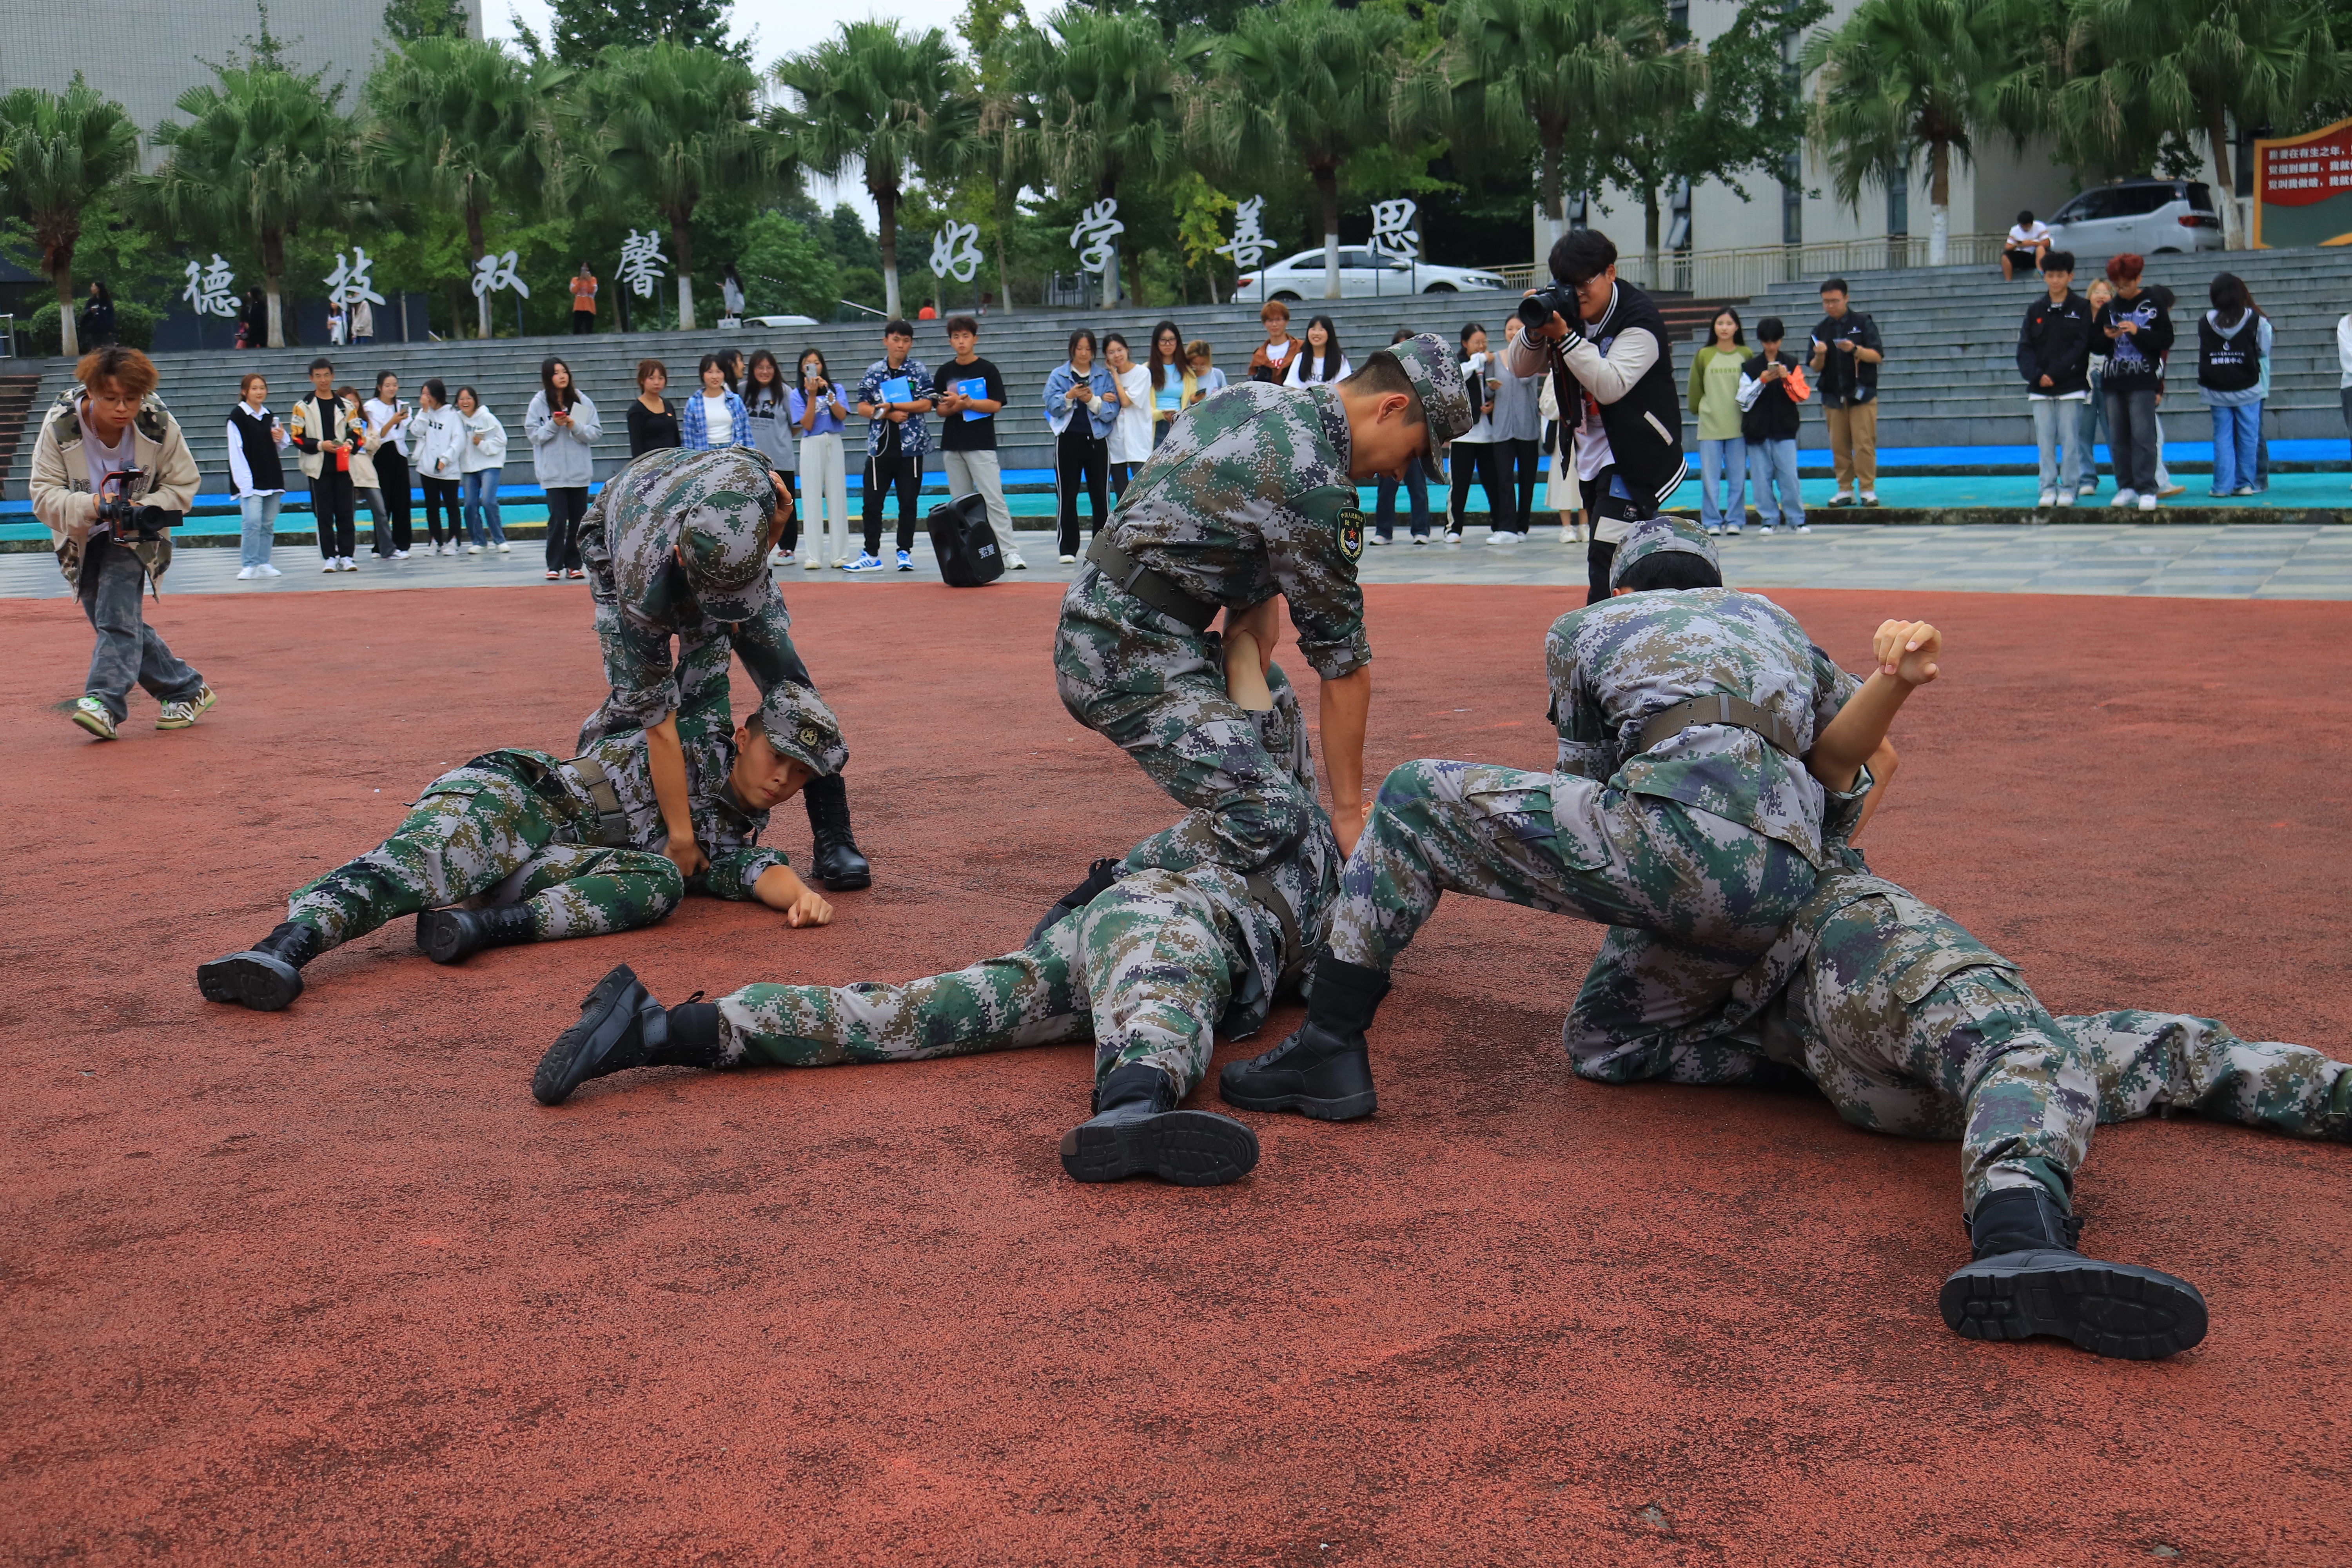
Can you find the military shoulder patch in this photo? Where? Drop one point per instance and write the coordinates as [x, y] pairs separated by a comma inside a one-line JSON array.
[[1351, 531]]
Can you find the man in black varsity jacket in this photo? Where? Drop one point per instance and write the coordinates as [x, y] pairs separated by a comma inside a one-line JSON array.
[[1614, 365]]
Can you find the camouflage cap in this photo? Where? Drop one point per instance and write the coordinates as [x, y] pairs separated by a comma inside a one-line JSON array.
[[799, 726], [1428, 360], [1657, 536], [712, 508]]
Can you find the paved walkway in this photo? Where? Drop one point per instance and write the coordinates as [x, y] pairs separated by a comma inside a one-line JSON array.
[[2184, 560]]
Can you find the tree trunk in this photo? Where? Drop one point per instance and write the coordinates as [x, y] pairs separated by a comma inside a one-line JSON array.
[[685, 243], [2217, 134], [1650, 234], [479, 247], [1004, 276], [61, 275], [1327, 188], [273, 273], [886, 202], [1939, 204], [1555, 213]]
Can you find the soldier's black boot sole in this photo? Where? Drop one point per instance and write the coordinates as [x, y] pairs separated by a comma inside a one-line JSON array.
[[454, 935], [260, 981], [1188, 1148], [1311, 1073], [609, 1037], [2107, 1309]]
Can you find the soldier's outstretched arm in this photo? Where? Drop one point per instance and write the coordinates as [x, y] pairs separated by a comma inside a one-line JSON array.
[[1905, 654], [1245, 672], [665, 760], [1346, 707], [781, 887]]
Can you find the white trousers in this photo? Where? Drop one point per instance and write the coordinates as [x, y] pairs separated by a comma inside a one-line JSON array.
[[979, 473], [827, 531]]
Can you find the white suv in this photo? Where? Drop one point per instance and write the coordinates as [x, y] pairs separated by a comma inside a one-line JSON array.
[[1363, 274], [2147, 217]]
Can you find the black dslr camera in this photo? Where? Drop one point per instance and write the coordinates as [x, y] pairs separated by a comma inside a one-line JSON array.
[[119, 513], [1553, 300]]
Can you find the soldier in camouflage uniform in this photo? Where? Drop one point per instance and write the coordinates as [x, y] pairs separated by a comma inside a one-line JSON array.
[[1146, 962], [1684, 806], [550, 849], [676, 546], [1252, 495]]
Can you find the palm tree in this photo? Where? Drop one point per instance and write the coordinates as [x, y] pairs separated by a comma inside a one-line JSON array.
[[263, 152], [1578, 71], [1305, 83], [58, 152], [885, 100], [2139, 69], [1903, 78], [460, 124], [671, 126], [1100, 91]]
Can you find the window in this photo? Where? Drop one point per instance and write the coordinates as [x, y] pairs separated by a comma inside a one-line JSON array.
[[2088, 207], [1898, 203], [1793, 199], [2138, 201], [1356, 257], [2200, 198]]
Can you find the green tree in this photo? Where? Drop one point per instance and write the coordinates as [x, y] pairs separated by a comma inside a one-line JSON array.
[[672, 127], [887, 100], [459, 123], [59, 154], [2141, 71], [409, 20], [782, 261], [1906, 78], [264, 152], [999, 165], [1102, 91], [583, 29], [1303, 84], [1201, 211]]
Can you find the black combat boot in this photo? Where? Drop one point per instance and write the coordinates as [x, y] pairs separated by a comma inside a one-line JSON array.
[[452, 936], [2028, 1280], [1325, 1070], [837, 862], [267, 975], [1137, 1130], [622, 1026]]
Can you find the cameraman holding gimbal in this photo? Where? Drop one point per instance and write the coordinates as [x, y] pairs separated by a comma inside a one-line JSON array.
[[112, 473], [1605, 344]]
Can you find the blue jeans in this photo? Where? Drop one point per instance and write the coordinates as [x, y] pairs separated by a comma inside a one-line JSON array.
[[2090, 423], [478, 496], [2058, 435], [129, 650], [2235, 432], [260, 529], [1719, 460], [1416, 484], [1774, 464]]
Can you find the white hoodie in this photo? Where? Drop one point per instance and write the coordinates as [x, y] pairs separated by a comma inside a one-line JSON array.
[[486, 443], [439, 434]]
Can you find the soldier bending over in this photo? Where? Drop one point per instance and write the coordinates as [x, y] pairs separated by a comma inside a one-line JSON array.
[[1145, 960], [553, 848]]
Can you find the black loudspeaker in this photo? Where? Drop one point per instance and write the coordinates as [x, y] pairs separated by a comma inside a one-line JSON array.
[[965, 543]]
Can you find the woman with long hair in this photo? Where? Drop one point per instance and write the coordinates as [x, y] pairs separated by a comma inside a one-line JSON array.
[[818, 414], [1320, 359], [1081, 407], [257, 474], [2233, 356], [97, 324], [1130, 431], [1714, 402], [484, 454], [388, 423], [440, 455], [562, 425], [766, 401], [1167, 377], [653, 423], [716, 417]]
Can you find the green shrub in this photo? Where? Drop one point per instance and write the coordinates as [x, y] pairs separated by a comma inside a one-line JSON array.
[[134, 328]]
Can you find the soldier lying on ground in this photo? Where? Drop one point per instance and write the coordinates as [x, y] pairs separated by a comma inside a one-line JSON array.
[[556, 849], [1911, 1026], [1695, 726], [676, 545], [1252, 496], [1146, 959]]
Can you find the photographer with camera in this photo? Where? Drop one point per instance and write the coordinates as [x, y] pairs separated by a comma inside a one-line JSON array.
[[111, 474], [1607, 342]]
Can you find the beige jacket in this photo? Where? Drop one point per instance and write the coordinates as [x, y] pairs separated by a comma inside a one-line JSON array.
[[305, 422], [61, 497]]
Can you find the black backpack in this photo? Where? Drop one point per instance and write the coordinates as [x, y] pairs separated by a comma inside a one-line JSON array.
[[965, 543]]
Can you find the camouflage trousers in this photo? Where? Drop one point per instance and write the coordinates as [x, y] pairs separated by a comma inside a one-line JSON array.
[[1157, 689], [1711, 891], [1145, 970], [484, 832]]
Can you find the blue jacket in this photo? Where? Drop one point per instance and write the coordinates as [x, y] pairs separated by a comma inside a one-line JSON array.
[[694, 430], [1101, 417]]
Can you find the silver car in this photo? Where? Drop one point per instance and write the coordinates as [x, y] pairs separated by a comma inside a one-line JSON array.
[[2147, 217], [1363, 274]]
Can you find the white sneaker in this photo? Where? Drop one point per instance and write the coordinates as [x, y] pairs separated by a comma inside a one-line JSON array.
[[1501, 536], [1765, 530], [333, 565], [350, 564], [2065, 498], [2124, 498], [266, 569], [1804, 528], [812, 565], [1453, 536], [247, 573], [504, 548], [1068, 559], [1373, 539], [400, 556], [2049, 498], [2147, 503], [1014, 563], [473, 550]]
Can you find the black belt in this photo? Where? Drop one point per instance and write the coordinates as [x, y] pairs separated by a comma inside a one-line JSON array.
[[1294, 955], [612, 822], [1663, 727], [1153, 588]]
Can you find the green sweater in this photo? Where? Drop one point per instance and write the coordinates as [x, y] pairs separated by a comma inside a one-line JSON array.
[[1714, 393]]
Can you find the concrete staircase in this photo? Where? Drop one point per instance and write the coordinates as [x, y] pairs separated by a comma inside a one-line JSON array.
[[1950, 375], [504, 372], [18, 395]]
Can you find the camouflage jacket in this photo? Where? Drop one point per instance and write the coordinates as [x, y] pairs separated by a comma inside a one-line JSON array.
[[915, 430], [1250, 497], [1306, 879], [1615, 664]]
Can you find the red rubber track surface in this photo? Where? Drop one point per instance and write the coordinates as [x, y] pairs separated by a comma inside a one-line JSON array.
[[328, 1286]]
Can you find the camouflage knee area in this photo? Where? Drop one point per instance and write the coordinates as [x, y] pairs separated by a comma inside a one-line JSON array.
[[472, 829], [2146, 1062], [576, 890], [1159, 956], [2026, 1105]]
